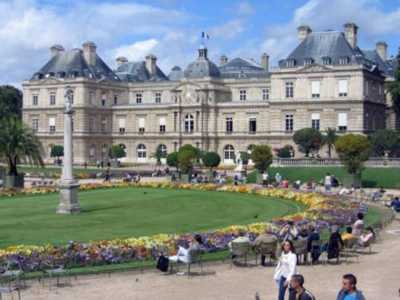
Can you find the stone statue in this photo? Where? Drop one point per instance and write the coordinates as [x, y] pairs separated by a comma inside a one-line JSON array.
[[69, 97]]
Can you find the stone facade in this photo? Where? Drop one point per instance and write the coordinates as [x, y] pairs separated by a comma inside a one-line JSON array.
[[213, 108]]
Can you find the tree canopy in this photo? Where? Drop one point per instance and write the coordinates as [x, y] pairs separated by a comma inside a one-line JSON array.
[[308, 140], [261, 156], [116, 151], [187, 155], [57, 151], [329, 139], [353, 150], [18, 143], [172, 159], [10, 102], [211, 159], [393, 88], [385, 140]]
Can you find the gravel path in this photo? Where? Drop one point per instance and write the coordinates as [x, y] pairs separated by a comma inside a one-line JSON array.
[[378, 274]]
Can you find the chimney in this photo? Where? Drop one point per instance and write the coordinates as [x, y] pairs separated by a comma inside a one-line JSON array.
[[302, 32], [121, 60], [223, 60], [56, 49], [151, 65], [265, 61], [350, 31], [381, 48], [89, 53]]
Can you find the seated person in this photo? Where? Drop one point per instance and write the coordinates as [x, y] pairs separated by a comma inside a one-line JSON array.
[[297, 184], [184, 254], [314, 250], [335, 243], [358, 226], [265, 238], [348, 235], [289, 232], [242, 238], [395, 204], [367, 237]]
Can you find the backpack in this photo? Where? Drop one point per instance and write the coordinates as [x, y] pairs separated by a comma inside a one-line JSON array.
[[163, 263]]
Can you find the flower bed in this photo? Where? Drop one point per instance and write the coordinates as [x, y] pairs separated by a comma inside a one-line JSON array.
[[320, 210]]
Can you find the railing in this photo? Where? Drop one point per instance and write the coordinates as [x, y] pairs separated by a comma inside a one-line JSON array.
[[306, 162]]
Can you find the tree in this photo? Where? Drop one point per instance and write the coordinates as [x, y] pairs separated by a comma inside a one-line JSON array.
[[308, 140], [172, 159], [116, 151], [245, 157], [285, 152], [385, 140], [329, 139], [10, 102], [211, 160], [187, 155], [159, 154], [353, 150], [261, 157], [18, 143], [57, 151], [393, 88]]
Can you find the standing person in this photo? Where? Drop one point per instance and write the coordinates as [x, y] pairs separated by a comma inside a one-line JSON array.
[[349, 290], [314, 244], [278, 179], [286, 268], [358, 226], [335, 243], [297, 290], [265, 178], [328, 182]]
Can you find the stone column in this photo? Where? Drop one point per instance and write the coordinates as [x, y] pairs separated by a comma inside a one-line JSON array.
[[69, 203]]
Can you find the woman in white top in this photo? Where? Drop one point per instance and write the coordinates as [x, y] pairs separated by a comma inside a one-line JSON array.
[[358, 226], [286, 268]]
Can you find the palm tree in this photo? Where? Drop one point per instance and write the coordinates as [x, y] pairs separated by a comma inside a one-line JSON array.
[[18, 143], [329, 139]]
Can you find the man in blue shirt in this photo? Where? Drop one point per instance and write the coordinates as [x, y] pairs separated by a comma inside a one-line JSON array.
[[395, 204], [349, 290]]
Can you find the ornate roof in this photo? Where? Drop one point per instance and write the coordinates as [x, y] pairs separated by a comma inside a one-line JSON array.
[[175, 74], [202, 67], [242, 68], [136, 71], [72, 64]]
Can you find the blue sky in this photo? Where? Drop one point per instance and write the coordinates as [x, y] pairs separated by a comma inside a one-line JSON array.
[[171, 29]]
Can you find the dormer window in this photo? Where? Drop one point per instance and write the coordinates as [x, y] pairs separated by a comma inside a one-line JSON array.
[[326, 60], [139, 98], [308, 61], [291, 63], [345, 60]]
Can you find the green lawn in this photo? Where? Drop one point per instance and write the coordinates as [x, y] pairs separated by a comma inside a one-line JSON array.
[[128, 212], [372, 177]]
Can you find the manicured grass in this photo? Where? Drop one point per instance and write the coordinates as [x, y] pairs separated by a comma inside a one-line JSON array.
[[371, 177], [129, 212]]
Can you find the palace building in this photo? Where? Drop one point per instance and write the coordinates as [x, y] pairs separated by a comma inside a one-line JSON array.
[[327, 81]]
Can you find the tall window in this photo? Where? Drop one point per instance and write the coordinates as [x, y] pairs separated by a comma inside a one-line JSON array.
[[252, 125], [141, 125], [121, 125], [289, 122], [289, 89], [229, 125], [52, 124], [139, 97], [315, 121], [326, 60], [342, 121], [91, 98], [115, 99], [162, 124], [343, 87], [189, 123], [35, 100], [265, 93], [242, 95], [229, 152], [103, 124], [175, 119], [141, 151], [52, 99], [344, 60], [35, 124], [158, 97], [308, 61], [163, 150], [103, 99], [315, 89]]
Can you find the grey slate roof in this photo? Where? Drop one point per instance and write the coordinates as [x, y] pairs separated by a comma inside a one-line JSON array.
[[202, 66], [330, 44], [242, 68], [72, 64], [175, 74], [136, 71], [384, 66]]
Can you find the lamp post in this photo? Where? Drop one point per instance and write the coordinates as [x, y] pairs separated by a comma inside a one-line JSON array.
[[69, 203]]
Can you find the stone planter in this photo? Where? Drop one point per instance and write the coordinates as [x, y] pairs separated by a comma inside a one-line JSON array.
[[11, 181]]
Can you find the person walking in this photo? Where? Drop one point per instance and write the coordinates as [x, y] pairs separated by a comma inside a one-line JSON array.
[[286, 268], [349, 289], [297, 290]]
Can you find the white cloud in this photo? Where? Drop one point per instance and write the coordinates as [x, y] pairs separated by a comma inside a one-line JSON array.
[[228, 30], [137, 50], [244, 8]]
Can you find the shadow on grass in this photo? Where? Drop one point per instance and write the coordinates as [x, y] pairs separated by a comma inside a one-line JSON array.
[[94, 209], [369, 184]]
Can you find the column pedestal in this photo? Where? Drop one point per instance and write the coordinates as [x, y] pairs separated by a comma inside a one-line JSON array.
[[69, 203]]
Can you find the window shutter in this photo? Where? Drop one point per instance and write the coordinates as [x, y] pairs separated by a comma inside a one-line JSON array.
[[122, 123], [315, 116], [141, 122], [342, 86], [52, 121], [342, 119], [315, 87], [162, 121]]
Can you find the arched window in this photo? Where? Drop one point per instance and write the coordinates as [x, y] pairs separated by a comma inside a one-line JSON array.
[[141, 151], [229, 152], [163, 150], [189, 123]]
